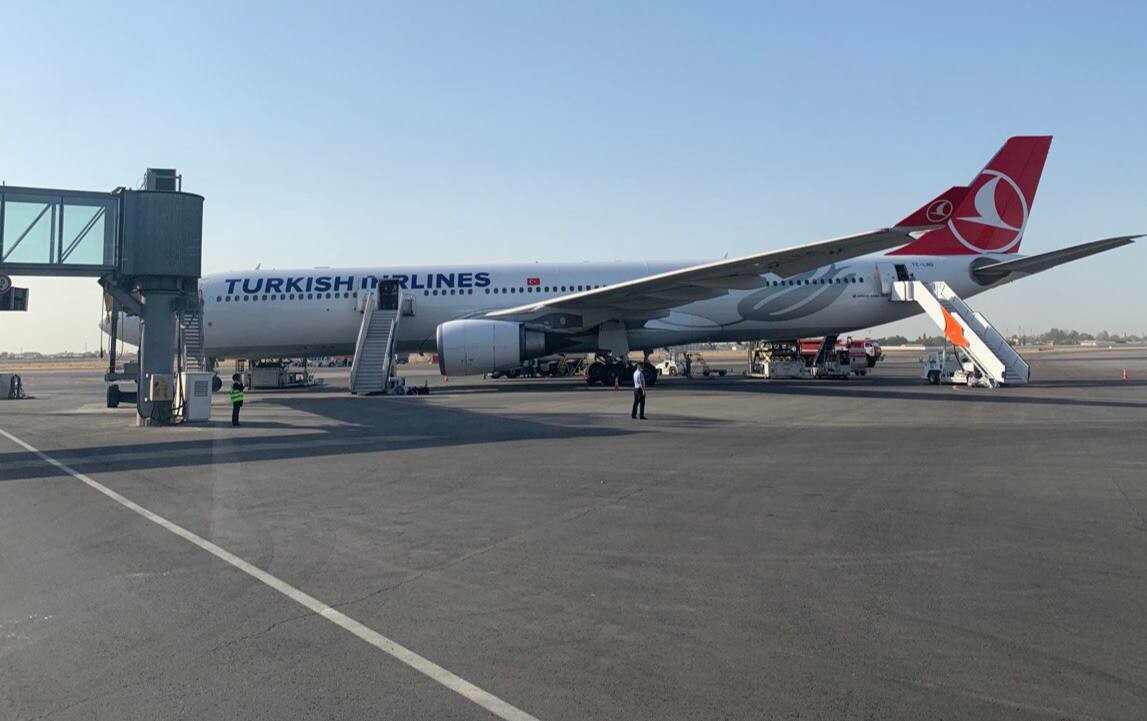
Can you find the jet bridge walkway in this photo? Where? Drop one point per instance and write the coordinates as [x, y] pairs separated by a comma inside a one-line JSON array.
[[966, 329]]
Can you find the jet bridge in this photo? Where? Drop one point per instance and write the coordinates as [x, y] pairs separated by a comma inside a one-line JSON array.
[[143, 245], [966, 329]]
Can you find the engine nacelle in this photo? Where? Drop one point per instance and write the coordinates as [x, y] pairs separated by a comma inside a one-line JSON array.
[[471, 347]]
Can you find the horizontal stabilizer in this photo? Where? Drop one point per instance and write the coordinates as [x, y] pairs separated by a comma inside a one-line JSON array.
[[992, 272]]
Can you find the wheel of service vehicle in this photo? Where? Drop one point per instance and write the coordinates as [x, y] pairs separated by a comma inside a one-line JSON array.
[[612, 376], [722, 373], [705, 373], [672, 371], [593, 374], [216, 384], [934, 377], [650, 374]]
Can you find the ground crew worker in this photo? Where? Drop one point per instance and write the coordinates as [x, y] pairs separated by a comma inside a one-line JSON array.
[[236, 398], [638, 393], [688, 366]]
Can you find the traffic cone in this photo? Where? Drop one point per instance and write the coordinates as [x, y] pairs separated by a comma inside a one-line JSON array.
[[617, 383], [1124, 374]]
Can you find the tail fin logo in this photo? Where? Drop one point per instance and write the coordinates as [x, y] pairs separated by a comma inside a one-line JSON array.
[[1001, 215], [939, 211]]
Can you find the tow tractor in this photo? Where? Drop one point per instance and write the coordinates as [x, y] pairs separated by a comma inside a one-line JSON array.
[[952, 367]]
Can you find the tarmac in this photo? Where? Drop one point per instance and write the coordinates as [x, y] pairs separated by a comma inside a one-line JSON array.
[[868, 549]]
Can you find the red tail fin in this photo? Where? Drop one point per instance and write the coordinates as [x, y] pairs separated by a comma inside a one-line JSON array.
[[938, 210], [994, 212]]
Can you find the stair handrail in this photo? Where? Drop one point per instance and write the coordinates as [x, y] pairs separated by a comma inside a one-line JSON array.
[[368, 309], [392, 340]]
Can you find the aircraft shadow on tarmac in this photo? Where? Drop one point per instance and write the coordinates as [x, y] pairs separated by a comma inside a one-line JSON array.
[[369, 425], [911, 389]]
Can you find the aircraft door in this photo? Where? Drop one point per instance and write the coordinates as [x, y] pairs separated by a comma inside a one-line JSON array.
[[888, 276], [388, 295]]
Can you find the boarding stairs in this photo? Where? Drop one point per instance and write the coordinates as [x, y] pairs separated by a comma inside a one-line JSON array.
[[193, 354], [374, 350], [966, 329]]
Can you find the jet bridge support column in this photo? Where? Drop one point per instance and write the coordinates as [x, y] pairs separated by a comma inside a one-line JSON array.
[[160, 266], [156, 359]]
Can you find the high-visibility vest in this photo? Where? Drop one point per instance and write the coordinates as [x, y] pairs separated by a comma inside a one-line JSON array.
[[236, 396]]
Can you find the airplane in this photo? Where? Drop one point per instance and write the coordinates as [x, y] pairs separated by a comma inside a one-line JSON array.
[[486, 318]]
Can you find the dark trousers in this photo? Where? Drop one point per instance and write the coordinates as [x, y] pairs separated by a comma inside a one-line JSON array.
[[638, 402], [235, 412]]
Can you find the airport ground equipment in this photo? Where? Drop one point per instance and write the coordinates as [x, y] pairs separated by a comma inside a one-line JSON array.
[[374, 350], [668, 366], [947, 366], [195, 396], [966, 329], [191, 328], [144, 246], [560, 366], [776, 359], [11, 387], [268, 374], [698, 364]]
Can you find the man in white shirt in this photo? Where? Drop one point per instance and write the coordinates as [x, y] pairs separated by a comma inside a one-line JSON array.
[[638, 393]]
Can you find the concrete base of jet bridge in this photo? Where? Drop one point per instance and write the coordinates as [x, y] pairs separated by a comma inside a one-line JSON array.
[[756, 549]]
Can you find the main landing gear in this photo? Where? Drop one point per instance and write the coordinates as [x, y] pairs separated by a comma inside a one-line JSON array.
[[609, 371]]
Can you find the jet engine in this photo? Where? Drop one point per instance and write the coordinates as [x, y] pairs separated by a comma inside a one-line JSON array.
[[470, 347]]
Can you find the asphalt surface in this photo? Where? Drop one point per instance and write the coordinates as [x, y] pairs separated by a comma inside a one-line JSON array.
[[869, 549]]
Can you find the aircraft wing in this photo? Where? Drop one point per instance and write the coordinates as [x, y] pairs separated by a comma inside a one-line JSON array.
[[1036, 263], [663, 291]]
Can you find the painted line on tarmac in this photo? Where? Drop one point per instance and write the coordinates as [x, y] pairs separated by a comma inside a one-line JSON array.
[[452, 681]]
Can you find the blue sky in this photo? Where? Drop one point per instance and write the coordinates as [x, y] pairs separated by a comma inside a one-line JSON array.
[[371, 133]]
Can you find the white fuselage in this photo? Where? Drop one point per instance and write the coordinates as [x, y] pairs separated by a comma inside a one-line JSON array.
[[277, 313]]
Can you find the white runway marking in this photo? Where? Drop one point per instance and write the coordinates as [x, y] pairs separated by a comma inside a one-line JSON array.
[[452, 681]]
